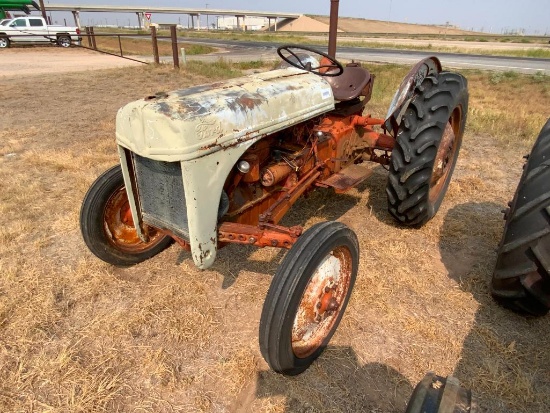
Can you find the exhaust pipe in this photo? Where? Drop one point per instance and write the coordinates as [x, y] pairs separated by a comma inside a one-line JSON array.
[[333, 30]]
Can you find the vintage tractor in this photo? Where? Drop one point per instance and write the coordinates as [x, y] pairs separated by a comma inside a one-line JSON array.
[[521, 280], [222, 163]]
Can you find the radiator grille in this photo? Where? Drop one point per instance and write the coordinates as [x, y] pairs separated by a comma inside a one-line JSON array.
[[161, 195]]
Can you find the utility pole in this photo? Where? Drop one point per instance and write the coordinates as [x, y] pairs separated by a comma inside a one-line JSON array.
[[207, 26], [43, 9], [333, 30]]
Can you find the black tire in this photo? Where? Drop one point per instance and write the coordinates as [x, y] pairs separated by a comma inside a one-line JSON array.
[[521, 280], [435, 394], [427, 146], [4, 42], [107, 231], [64, 41], [305, 303]]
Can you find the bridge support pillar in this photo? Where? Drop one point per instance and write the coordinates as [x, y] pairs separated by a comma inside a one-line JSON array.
[[198, 16], [240, 23], [76, 15], [269, 24], [141, 19]]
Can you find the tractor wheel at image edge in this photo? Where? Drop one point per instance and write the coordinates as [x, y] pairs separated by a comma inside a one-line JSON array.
[[427, 146], [521, 280], [435, 394], [308, 296], [107, 225]]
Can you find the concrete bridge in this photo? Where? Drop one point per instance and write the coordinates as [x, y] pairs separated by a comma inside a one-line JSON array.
[[194, 13]]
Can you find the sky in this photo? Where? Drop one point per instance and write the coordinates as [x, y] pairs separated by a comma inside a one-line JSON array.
[[491, 16]]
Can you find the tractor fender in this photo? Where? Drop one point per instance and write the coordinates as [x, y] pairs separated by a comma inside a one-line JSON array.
[[426, 67]]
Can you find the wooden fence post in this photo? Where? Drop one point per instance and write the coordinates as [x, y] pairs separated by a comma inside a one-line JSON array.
[[155, 44], [175, 54], [94, 42]]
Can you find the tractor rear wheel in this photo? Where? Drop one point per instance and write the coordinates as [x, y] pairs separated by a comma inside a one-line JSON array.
[[428, 142], [308, 296], [521, 280], [108, 228]]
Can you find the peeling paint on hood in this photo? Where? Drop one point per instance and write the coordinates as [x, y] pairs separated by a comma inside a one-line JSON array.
[[191, 123]]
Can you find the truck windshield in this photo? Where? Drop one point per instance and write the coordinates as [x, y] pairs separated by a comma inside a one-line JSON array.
[[4, 22]]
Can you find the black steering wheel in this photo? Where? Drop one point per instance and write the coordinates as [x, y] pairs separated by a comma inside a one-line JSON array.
[[294, 60]]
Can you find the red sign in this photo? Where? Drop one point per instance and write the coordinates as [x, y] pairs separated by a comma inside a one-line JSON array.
[[148, 16]]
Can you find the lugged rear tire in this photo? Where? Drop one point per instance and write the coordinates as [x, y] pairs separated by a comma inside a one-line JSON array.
[[427, 146], [521, 280]]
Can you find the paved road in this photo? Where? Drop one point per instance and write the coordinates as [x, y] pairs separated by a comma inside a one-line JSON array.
[[452, 60], [236, 50]]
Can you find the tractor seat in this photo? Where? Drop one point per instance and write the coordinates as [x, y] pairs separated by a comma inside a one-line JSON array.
[[350, 84]]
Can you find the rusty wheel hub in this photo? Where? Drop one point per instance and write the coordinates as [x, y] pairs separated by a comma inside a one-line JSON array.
[[320, 305], [444, 160], [119, 226]]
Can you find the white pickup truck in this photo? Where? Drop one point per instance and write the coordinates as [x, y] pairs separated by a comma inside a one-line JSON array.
[[35, 30]]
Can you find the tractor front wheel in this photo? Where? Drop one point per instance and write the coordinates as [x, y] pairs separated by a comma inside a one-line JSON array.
[[427, 146], [107, 225], [308, 296]]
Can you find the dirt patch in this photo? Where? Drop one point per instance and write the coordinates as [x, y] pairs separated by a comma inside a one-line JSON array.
[[80, 335], [26, 61]]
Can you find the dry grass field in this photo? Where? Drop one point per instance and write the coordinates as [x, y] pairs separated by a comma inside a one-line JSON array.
[[78, 335], [142, 46]]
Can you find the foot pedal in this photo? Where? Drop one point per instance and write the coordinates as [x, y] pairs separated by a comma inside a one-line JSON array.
[[348, 177]]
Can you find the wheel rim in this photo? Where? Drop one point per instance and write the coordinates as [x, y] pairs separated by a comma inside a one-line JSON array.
[[3, 42], [322, 302], [446, 156], [65, 42], [119, 226]]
